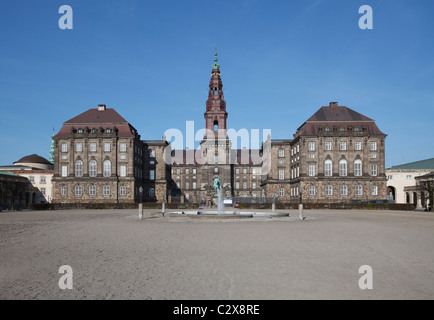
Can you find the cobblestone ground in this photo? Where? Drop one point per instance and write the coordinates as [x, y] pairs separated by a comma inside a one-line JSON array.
[[114, 255]]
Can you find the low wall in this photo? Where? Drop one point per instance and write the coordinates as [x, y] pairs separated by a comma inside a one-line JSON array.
[[146, 205], [279, 205], [294, 205]]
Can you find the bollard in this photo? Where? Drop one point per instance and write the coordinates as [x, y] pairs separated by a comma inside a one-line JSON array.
[[140, 210], [300, 212], [273, 207], [163, 210]]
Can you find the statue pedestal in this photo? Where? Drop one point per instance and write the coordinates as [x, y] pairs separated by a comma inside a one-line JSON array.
[[214, 201]]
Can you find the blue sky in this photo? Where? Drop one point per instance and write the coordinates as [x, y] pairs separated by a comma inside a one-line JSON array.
[[280, 62]]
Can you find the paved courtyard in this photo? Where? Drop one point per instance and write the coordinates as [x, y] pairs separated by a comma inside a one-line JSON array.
[[113, 255]]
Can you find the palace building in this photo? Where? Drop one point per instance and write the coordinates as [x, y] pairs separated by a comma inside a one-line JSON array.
[[337, 155]]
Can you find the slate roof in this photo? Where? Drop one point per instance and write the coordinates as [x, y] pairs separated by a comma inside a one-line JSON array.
[[417, 165], [94, 118], [240, 156], [334, 115]]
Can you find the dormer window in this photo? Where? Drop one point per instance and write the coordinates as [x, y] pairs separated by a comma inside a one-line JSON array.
[[327, 128], [356, 128], [341, 128], [108, 130], [80, 130], [94, 130]]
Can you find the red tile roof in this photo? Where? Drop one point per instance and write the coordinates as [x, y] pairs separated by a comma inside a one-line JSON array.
[[334, 115], [94, 118]]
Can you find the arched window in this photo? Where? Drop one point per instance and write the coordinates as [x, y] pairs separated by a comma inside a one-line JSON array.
[[358, 167], [107, 168], [328, 168], [343, 168], [328, 190], [344, 190], [78, 168], [92, 190], [92, 168], [216, 125], [63, 190], [78, 190], [106, 190], [123, 190]]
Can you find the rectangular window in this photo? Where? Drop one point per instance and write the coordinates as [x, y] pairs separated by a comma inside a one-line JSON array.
[[373, 155], [281, 192], [374, 190], [342, 168], [151, 153], [253, 185], [151, 174], [359, 190], [194, 171], [311, 190], [344, 190], [123, 147], [107, 146], [343, 145], [43, 191], [237, 185], [373, 170], [64, 147], [187, 185], [311, 146], [92, 190], [244, 185], [194, 184], [63, 190], [373, 146], [92, 147], [311, 170], [329, 190], [281, 153], [106, 190], [244, 170], [32, 179], [311, 156], [408, 177], [42, 179], [358, 168], [79, 147], [328, 168], [328, 146], [237, 171], [123, 171], [64, 171], [187, 171], [358, 145], [281, 174], [123, 190]]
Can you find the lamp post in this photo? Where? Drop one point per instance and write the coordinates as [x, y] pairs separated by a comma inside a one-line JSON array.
[[300, 205], [163, 209], [141, 204], [273, 205]]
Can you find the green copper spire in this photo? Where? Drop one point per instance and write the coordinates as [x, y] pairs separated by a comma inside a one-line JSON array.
[[215, 65], [51, 159]]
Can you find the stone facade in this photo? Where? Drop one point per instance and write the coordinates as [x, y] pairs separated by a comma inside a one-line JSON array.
[[99, 157], [338, 156]]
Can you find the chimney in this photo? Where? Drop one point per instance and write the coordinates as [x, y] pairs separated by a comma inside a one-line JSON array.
[[101, 107], [333, 104]]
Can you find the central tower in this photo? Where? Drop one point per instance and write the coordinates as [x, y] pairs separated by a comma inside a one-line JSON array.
[[216, 146], [215, 114]]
